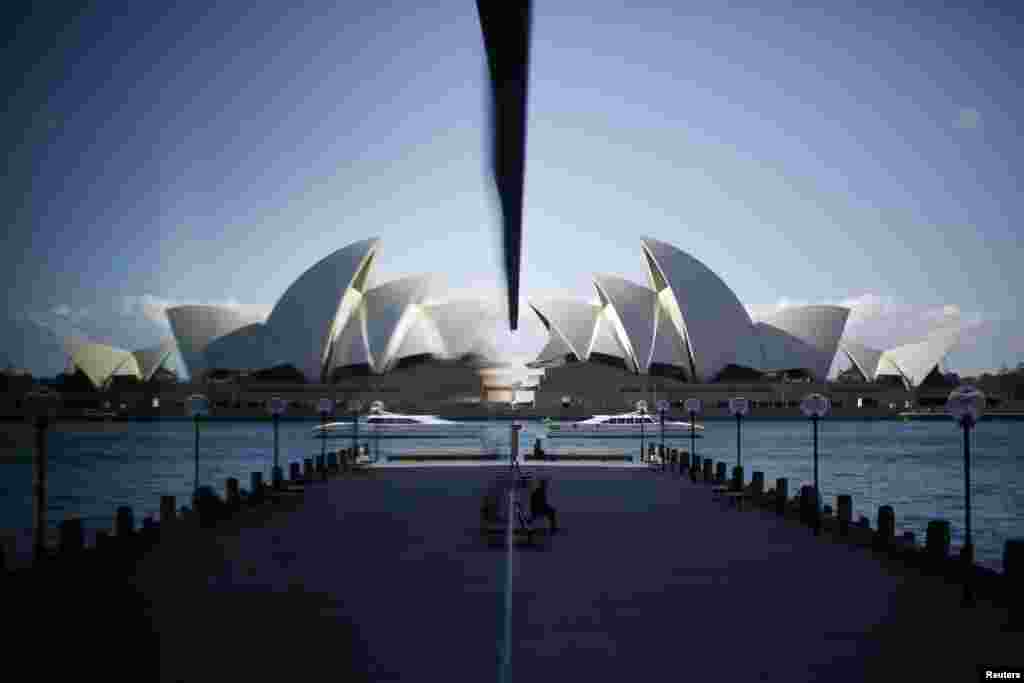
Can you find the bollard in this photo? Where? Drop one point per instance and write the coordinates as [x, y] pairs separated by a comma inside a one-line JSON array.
[[781, 494], [886, 529], [808, 508], [936, 542], [277, 477], [757, 485], [319, 463], [720, 472], [332, 462], [294, 471], [844, 511], [307, 469], [737, 478], [708, 465], [72, 536], [256, 487], [231, 493], [167, 516], [124, 522], [1013, 570], [150, 532]]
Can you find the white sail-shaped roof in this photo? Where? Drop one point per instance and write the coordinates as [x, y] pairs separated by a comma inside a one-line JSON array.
[[464, 325], [802, 337], [152, 359], [422, 337], [604, 341], [634, 305], [195, 327], [250, 348], [573, 320], [915, 361], [305, 318], [388, 309], [100, 362], [351, 347], [865, 358], [669, 346], [554, 351], [716, 326]]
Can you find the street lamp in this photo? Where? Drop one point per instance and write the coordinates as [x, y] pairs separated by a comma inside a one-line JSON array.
[[325, 406], [966, 404], [41, 408], [641, 408], [276, 406], [739, 407], [197, 406], [662, 406], [815, 406], [693, 406], [354, 407]]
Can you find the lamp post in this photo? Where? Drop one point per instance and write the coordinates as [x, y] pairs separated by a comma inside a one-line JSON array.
[[815, 406], [641, 408], [966, 404], [41, 408], [739, 407], [693, 406], [354, 407], [662, 406], [276, 406], [325, 406], [197, 406]]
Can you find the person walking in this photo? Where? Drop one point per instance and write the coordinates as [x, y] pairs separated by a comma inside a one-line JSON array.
[[540, 507]]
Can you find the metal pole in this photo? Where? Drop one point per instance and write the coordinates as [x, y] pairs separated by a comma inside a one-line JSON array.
[[323, 439], [693, 439], [738, 463], [195, 420], [817, 497], [664, 455], [968, 551], [39, 545], [275, 441], [355, 433]]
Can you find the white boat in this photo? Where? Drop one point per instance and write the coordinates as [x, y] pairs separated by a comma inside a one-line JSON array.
[[624, 424], [380, 422]]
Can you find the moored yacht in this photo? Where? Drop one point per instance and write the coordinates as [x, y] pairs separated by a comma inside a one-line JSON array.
[[380, 422], [624, 424]]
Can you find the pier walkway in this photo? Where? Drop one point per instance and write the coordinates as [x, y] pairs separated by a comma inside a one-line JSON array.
[[385, 577]]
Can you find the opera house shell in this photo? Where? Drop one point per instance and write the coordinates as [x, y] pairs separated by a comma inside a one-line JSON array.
[[101, 363], [687, 324], [333, 320]]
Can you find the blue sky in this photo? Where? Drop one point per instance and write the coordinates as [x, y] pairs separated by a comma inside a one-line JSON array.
[[868, 156]]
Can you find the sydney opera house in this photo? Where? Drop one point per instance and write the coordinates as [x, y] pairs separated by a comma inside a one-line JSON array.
[[686, 333], [337, 332]]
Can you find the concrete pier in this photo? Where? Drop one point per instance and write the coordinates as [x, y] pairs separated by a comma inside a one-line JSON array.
[[614, 594]]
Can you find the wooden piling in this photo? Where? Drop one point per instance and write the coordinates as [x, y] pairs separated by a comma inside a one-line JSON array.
[[124, 522], [737, 478], [294, 471], [307, 469], [885, 532], [937, 539], [332, 462], [277, 477], [720, 472], [757, 486], [844, 508], [708, 472], [167, 516], [781, 494], [256, 487], [72, 536], [232, 495], [808, 504]]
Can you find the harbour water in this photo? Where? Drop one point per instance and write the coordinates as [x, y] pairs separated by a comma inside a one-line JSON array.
[[917, 466]]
